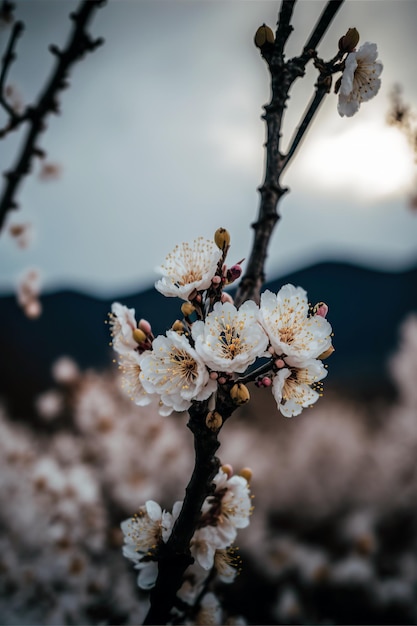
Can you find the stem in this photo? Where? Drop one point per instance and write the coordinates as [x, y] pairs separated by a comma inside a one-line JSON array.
[[175, 555], [302, 128], [323, 24], [283, 75]]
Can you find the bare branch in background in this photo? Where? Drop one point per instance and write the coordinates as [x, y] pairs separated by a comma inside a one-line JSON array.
[[34, 116]]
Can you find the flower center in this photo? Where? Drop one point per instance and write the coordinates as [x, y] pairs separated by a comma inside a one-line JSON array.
[[183, 365]]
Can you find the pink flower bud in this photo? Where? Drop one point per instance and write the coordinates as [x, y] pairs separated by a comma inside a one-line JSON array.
[[280, 363], [321, 309], [216, 280], [213, 375], [266, 381], [235, 271], [145, 326], [226, 297], [221, 380]]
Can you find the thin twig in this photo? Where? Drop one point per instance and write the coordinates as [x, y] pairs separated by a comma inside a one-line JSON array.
[[79, 43], [321, 91]]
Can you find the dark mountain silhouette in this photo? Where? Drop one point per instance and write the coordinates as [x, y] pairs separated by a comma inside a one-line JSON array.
[[365, 310]]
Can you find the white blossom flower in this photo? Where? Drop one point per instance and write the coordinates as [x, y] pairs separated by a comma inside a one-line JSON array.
[[123, 323], [230, 339], [291, 332], [131, 369], [175, 372], [142, 534], [292, 387], [189, 267], [360, 79]]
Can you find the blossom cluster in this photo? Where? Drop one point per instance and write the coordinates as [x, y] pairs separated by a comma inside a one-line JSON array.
[[223, 512], [215, 345]]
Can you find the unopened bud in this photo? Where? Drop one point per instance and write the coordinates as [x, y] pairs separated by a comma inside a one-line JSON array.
[[227, 469], [326, 353], [226, 297], [240, 394], [246, 473], [222, 238], [321, 309], [187, 309], [145, 326], [348, 42], [233, 273], [264, 36], [214, 420], [138, 335], [177, 326]]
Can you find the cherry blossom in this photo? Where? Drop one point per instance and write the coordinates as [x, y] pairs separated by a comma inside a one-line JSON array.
[[188, 268], [360, 79]]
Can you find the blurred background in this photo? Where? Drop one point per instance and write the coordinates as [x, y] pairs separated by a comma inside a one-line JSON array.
[[160, 140]]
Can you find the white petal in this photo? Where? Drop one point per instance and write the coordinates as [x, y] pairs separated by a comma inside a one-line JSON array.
[[148, 575], [153, 510]]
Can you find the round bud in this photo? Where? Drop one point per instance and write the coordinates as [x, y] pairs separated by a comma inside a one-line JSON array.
[[246, 473], [222, 238], [226, 297], [145, 326], [187, 309], [214, 420], [177, 326], [348, 42], [227, 469], [264, 36], [240, 394], [321, 309], [138, 335]]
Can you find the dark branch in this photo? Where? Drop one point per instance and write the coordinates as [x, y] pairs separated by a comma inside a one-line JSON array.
[[284, 29], [321, 90], [322, 25], [79, 43], [283, 75], [175, 555]]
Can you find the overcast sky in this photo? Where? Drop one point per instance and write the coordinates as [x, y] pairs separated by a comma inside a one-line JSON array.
[[160, 141]]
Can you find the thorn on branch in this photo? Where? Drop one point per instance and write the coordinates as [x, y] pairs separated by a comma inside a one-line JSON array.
[[53, 49]]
